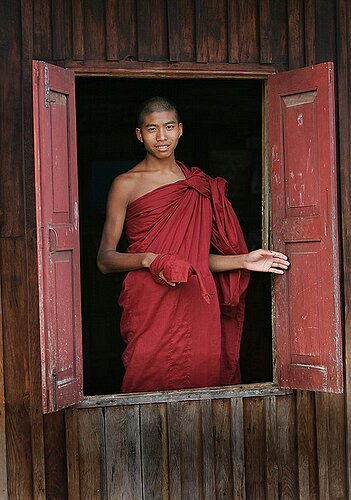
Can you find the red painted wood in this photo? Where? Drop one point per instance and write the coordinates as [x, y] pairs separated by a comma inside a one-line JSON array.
[[58, 236], [304, 219]]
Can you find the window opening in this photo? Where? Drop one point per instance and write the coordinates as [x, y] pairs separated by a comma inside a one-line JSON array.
[[222, 135]]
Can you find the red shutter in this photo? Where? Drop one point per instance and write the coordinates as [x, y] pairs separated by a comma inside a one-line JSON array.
[[57, 235], [304, 219]]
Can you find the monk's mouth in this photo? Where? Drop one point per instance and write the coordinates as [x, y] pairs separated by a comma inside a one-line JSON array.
[[164, 147]]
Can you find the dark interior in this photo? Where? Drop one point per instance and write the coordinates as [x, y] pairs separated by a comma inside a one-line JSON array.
[[222, 135]]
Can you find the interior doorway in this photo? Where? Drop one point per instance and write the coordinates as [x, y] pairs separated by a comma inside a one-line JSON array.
[[223, 136]]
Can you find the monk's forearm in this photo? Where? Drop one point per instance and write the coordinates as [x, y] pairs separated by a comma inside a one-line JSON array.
[[109, 261], [220, 263]]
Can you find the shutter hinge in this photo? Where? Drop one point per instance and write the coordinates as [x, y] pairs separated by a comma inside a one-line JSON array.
[[47, 86], [54, 389]]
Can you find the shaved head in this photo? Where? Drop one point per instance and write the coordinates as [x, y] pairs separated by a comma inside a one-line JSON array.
[[154, 105]]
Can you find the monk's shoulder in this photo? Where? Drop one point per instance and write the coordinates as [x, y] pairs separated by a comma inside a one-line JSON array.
[[125, 185]]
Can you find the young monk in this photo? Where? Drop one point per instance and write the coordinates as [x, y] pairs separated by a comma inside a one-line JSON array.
[[188, 267]]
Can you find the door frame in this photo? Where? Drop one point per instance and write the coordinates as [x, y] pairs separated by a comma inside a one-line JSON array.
[[191, 71]]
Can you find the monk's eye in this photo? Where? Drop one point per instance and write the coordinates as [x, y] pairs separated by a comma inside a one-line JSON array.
[[151, 129], [169, 127]]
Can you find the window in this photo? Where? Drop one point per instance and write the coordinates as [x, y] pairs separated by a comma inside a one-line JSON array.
[[57, 259]]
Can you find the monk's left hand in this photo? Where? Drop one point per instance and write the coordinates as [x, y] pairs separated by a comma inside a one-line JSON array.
[[266, 261]]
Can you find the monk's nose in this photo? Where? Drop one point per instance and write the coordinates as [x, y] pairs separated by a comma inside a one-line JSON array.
[[161, 135]]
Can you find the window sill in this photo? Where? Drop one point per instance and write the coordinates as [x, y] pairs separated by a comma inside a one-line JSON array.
[[235, 391]]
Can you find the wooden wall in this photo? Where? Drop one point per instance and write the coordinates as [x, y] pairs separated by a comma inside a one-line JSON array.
[[302, 435]]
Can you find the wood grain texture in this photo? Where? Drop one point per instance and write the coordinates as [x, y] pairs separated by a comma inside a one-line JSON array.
[[325, 31], [175, 485], [92, 457], [78, 29], [42, 33], [3, 464], [222, 439], [273, 31], [242, 31], [154, 449], [121, 30], [286, 447], [310, 32], [152, 30], [55, 456], [123, 455], [16, 368], [11, 178], [272, 472], [306, 445], [208, 451], [296, 33], [238, 448], [201, 30], [73, 453], [181, 36], [94, 30], [344, 113], [255, 448], [336, 447]]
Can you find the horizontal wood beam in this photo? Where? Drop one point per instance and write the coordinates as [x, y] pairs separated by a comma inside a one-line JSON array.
[[238, 391], [133, 69]]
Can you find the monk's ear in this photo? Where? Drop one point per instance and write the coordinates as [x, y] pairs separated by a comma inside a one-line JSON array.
[[180, 126], [138, 134]]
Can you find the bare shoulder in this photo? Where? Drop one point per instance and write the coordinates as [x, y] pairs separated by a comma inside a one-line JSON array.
[[124, 185]]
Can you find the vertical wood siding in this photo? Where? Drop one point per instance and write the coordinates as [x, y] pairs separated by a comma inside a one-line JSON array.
[[283, 447], [266, 448]]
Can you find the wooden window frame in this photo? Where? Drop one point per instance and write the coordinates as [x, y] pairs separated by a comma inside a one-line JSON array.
[[192, 72]]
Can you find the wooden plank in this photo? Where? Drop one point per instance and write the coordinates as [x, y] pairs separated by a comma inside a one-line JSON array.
[[255, 447], [325, 31], [343, 33], [189, 426], [152, 30], [175, 485], [92, 457], [306, 445], [296, 34], [72, 449], [310, 32], [55, 456], [165, 69], [208, 453], [287, 449], [39, 469], [242, 31], [223, 457], [11, 179], [217, 43], [272, 480], [238, 448], [201, 30], [78, 48], [154, 451], [123, 457], [42, 39], [273, 31], [121, 37], [3, 461], [59, 12], [330, 418], [181, 36], [244, 391], [94, 30], [16, 369]]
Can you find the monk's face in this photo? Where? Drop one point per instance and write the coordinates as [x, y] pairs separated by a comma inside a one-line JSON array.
[[160, 133]]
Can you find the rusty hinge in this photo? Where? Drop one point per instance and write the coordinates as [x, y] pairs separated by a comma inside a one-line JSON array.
[[46, 85], [54, 391]]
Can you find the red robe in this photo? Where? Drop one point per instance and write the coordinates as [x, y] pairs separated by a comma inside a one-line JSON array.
[[189, 335]]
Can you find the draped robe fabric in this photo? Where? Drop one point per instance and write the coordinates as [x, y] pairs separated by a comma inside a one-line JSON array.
[[185, 336]]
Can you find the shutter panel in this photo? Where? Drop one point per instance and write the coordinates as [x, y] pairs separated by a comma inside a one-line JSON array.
[[305, 227], [57, 235]]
